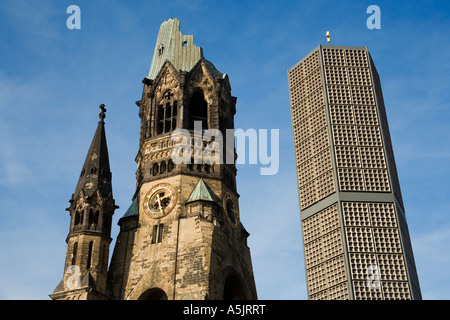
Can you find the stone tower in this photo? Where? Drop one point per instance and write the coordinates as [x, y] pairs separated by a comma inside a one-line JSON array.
[[182, 237], [91, 209], [356, 239]]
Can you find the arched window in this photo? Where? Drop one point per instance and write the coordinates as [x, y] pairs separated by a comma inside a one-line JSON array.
[[96, 215], [162, 168], [78, 218], [153, 294], [74, 253], [155, 169], [93, 216], [168, 118], [198, 110], [157, 233], [174, 115], [170, 165], [160, 232], [167, 114], [160, 128], [233, 288], [89, 257]]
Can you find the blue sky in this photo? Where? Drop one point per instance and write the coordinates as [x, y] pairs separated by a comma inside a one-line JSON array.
[[52, 80]]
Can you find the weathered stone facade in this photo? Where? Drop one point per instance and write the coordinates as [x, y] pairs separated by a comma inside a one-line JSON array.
[[182, 237]]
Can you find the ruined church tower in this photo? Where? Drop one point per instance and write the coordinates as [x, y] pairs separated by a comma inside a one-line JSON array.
[[182, 237]]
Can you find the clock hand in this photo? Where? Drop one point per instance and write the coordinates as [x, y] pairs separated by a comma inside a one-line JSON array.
[[166, 196], [158, 200]]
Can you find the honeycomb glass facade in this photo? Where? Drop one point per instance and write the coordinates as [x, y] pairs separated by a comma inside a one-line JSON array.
[[356, 240]]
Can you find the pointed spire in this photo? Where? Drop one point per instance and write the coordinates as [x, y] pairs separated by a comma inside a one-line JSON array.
[[96, 174], [200, 193]]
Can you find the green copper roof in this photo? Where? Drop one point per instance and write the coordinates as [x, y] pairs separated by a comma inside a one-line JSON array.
[[172, 45], [201, 192], [133, 210], [179, 49]]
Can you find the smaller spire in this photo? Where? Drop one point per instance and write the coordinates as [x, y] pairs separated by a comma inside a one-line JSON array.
[[96, 172]]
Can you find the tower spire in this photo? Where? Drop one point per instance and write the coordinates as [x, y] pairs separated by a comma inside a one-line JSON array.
[[91, 209], [96, 173]]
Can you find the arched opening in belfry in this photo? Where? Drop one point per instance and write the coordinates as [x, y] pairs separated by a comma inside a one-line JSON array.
[[89, 257], [234, 288], [155, 169], [170, 165], [198, 110], [74, 253], [162, 167], [93, 217], [153, 294], [166, 115], [78, 218]]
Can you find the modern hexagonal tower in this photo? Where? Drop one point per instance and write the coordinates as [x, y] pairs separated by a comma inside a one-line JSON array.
[[355, 235]]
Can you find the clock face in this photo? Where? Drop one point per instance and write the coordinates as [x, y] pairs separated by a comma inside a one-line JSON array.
[[160, 200], [230, 206]]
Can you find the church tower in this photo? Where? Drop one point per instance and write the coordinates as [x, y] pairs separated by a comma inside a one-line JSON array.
[[182, 237], [91, 209]]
